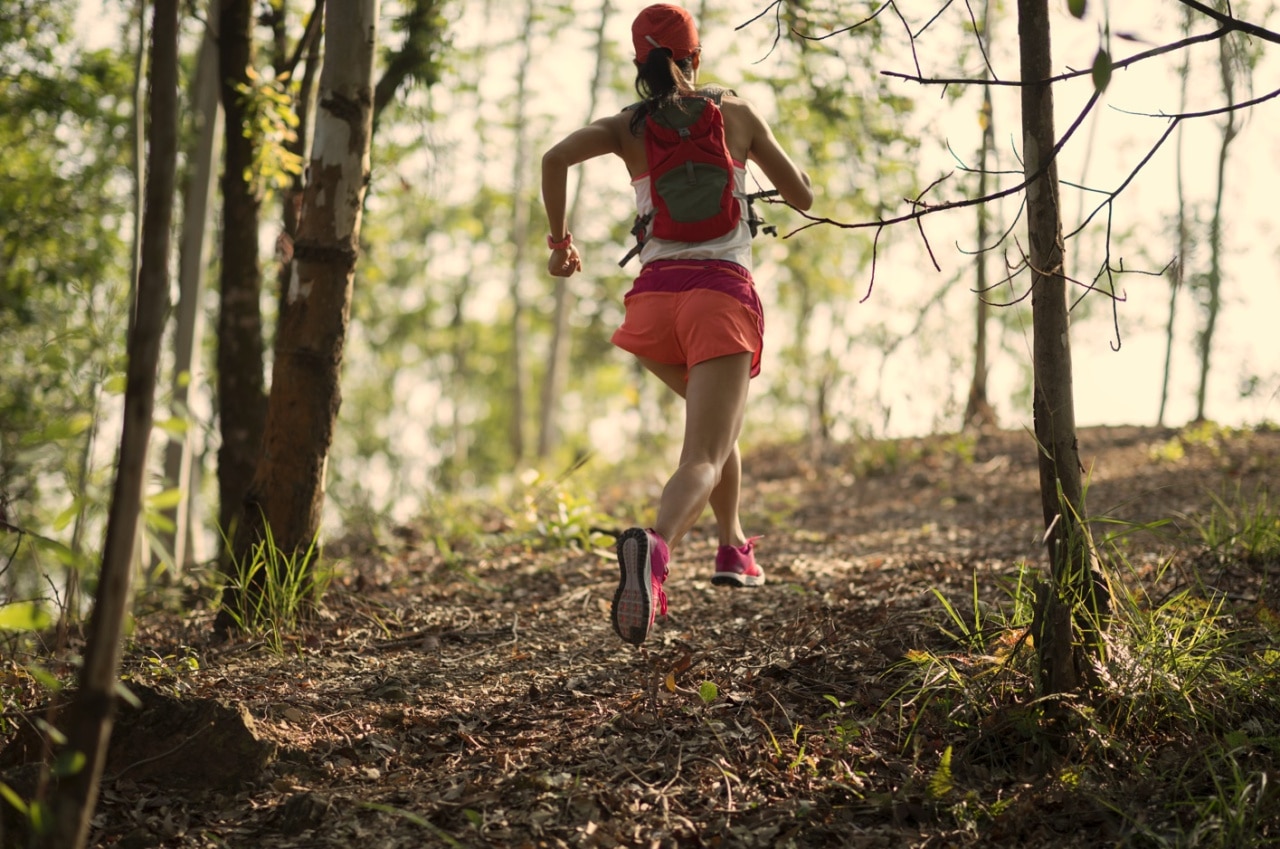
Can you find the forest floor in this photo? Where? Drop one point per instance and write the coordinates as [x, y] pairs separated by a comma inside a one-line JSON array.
[[475, 694]]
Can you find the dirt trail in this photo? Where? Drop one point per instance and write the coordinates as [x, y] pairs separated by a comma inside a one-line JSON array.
[[481, 699]]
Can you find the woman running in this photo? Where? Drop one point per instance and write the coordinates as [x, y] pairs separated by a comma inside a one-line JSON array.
[[693, 317]]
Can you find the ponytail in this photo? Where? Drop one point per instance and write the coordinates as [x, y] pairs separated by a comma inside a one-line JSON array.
[[659, 82]]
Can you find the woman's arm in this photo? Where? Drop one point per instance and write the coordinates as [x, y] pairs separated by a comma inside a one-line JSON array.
[[790, 181], [595, 139]]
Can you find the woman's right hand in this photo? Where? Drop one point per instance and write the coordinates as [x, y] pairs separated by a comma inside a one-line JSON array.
[[564, 262]]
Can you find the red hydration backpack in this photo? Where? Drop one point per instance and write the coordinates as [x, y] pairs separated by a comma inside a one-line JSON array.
[[691, 177]]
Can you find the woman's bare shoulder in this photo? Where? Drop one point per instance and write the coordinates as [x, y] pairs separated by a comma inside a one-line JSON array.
[[733, 101]]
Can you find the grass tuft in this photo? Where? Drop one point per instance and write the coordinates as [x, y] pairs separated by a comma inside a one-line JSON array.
[[280, 589]]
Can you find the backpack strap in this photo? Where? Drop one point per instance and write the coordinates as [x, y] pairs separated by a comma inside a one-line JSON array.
[[715, 93]]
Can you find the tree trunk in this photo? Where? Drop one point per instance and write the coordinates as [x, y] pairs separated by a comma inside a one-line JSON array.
[[561, 332], [193, 261], [241, 393], [519, 236], [977, 411], [460, 433], [288, 488], [285, 63], [139, 156], [1070, 594], [89, 721], [1177, 272], [1214, 281]]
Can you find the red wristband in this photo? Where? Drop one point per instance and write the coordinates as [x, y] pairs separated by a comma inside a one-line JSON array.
[[561, 245]]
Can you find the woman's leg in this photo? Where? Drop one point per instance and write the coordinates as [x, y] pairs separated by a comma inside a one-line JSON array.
[[725, 499], [726, 495], [715, 402]]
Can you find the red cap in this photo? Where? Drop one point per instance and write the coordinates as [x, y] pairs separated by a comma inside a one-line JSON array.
[[664, 25]]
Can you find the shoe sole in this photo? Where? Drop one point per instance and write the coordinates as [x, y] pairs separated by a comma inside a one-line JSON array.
[[732, 579], [632, 610]]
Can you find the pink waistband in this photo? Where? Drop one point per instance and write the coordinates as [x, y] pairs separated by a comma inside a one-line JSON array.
[[682, 275]]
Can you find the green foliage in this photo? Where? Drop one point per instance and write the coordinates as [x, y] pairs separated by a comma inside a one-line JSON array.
[[271, 121], [553, 517], [64, 124], [873, 458], [1206, 434], [422, 35], [173, 671], [1169, 451], [1229, 801], [1242, 527], [24, 616], [967, 687], [971, 630]]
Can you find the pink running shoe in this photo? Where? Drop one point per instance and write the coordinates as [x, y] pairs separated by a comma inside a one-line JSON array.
[[736, 566], [642, 558]]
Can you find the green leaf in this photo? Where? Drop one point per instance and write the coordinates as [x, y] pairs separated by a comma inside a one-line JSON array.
[[45, 678], [68, 763], [59, 429], [1077, 7], [23, 616], [165, 500], [64, 518], [940, 783], [63, 552], [708, 691], [174, 426], [127, 696], [1101, 70], [38, 815], [56, 737], [13, 798]]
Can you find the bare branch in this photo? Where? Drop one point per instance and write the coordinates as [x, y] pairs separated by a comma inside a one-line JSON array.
[[777, 25], [1233, 22], [868, 19], [1118, 64], [1206, 113], [919, 208], [875, 250], [922, 210], [760, 15], [1013, 271], [311, 33], [982, 48], [1001, 239], [1111, 196]]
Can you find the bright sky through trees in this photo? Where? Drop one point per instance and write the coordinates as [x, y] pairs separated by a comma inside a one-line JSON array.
[[1111, 387]]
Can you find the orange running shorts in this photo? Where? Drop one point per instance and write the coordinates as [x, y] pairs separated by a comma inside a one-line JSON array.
[[689, 311]]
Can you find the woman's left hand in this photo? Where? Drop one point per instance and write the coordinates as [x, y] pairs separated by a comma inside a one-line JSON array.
[[564, 262]]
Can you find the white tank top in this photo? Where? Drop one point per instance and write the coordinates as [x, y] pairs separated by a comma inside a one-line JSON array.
[[734, 246]]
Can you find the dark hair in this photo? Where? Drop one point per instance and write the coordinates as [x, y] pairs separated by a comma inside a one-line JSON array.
[[658, 84]]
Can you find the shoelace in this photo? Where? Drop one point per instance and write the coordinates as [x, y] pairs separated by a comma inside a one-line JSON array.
[[662, 594]]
